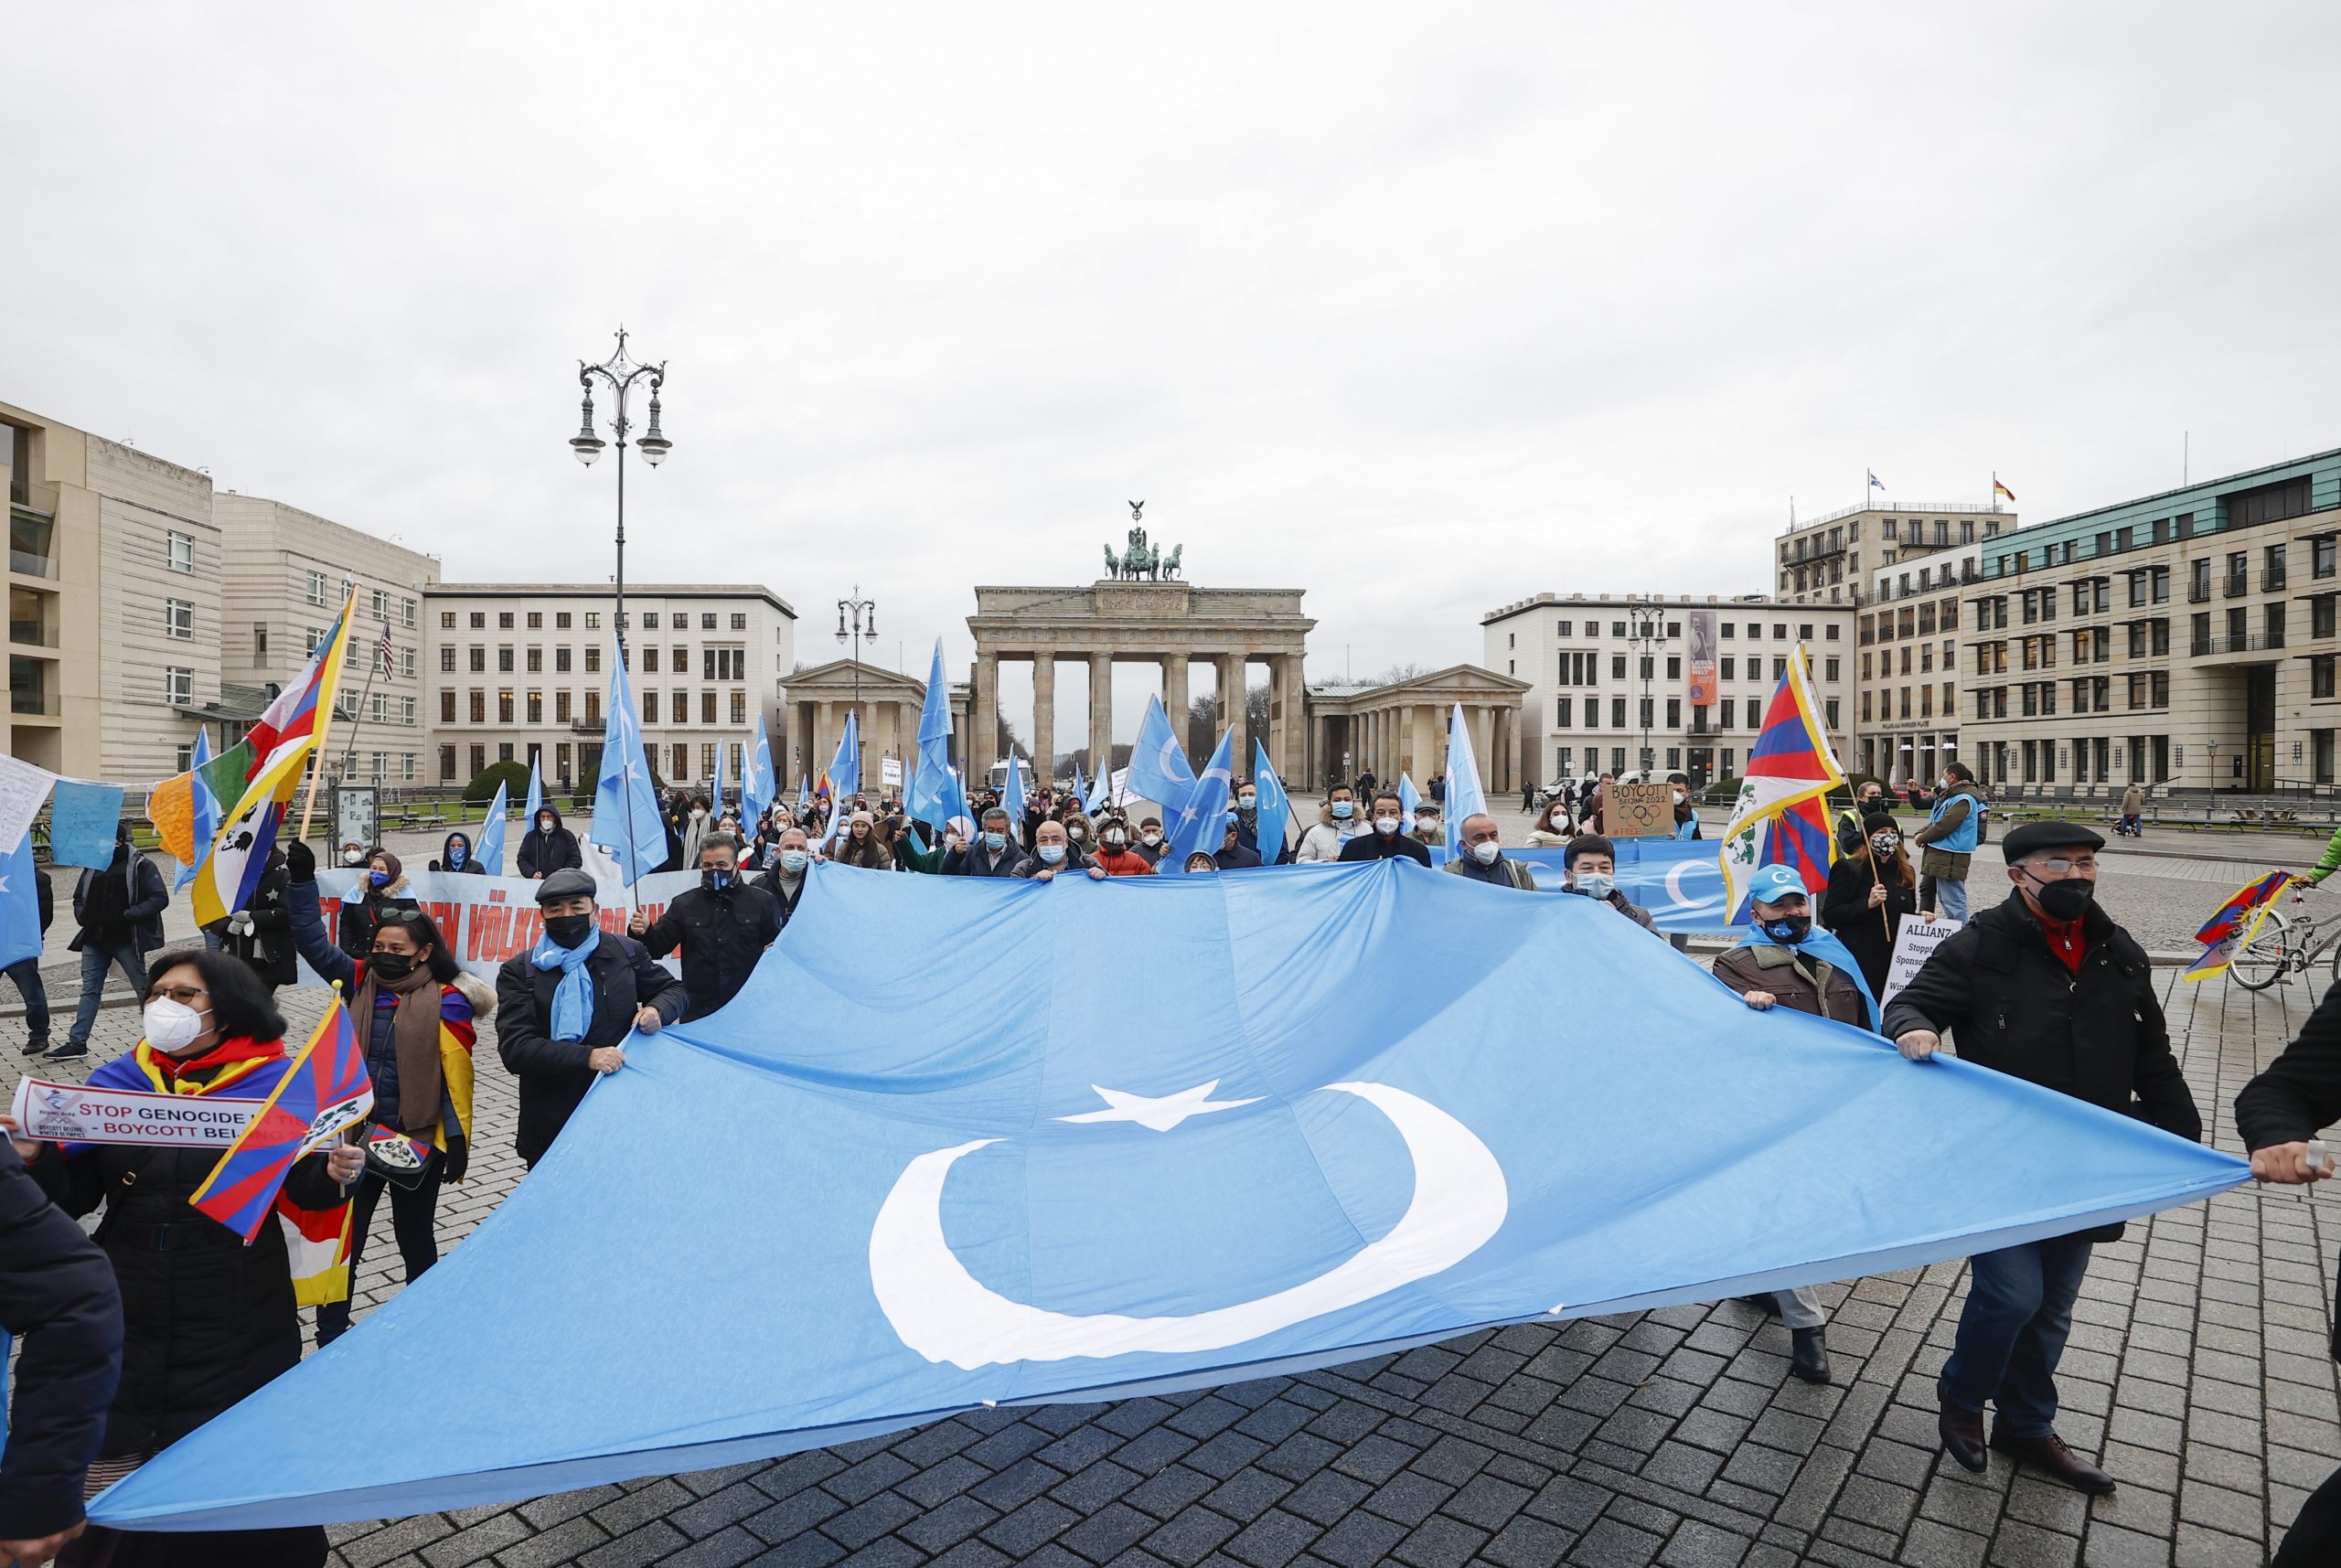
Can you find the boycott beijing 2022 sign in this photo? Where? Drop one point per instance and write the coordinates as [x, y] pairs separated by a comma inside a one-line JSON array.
[[68, 1113], [487, 920]]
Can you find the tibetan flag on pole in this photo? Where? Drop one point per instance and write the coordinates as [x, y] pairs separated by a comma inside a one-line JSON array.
[[323, 1091], [1781, 817], [626, 809], [758, 785], [1464, 796], [489, 850], [2228, 929]]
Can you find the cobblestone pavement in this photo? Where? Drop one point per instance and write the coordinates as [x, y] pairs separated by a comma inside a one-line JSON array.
[[2198, 1369]]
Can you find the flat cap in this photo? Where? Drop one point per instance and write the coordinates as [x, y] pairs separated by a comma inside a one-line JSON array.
[[2035, 837], [565, 884]]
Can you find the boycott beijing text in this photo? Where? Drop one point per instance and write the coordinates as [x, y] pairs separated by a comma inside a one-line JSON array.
[[68, 1113]]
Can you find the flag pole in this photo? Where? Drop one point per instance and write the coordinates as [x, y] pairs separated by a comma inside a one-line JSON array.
[[324, 720]]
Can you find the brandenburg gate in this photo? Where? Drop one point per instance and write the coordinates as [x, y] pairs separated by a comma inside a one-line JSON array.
[[1142, 614]]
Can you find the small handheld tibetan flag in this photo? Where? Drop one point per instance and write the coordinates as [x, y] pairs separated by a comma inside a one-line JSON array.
[[323, 1090], [2231, 925]]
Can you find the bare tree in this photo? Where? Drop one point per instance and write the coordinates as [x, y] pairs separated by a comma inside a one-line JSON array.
[[1399, 672]]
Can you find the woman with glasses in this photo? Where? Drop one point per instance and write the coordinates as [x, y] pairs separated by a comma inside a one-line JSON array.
[[414, 1009], [206, 1319]]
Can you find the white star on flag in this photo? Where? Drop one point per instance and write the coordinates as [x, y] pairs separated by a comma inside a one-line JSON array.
[[1158, 1114]]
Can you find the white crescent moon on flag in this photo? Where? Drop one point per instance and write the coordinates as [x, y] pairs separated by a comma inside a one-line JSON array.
[[944, 1313]]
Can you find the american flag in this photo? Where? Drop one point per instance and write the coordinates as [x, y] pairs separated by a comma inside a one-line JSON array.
[[389, 662]]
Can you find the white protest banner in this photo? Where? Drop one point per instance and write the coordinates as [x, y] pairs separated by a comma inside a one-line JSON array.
[[1914, 940], [890, 771], [22, 787], [69, 1113], [487, 920]]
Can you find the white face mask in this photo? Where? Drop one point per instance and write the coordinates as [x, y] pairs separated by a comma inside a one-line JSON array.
[[1151, 838], [1486, 853], [1115, 839], [1596, 884], [1386, 825], [1680, 796], [1248, 801], [172, 1026]]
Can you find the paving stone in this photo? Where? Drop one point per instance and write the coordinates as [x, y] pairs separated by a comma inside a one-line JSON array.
[[1610, 1544], [1701, 1545], [1527, 1543]]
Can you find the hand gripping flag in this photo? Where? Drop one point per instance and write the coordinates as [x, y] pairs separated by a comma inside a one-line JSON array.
[[489, 850], [323, 1090], [2233, 925], [626, 809], [1159, 768], [1464, 797], [1781, 817], [1201, 821]]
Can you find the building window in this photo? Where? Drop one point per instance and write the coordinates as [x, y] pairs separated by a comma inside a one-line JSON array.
[[406, 618], [560, 660], [259, 643], [446, 705], [739, 708], [561, 706], [650, 620], [178, 687], [178, 620], [536, 620], [446, 620], [649, 705], [536, 660], [536, 707], [317, 588], [479, 761], [707, 708], [504, 706], [479, 620], [739, 620], [592, 620], [678, 706], [479, 659], [2320, 675], [447, 661], [447, 762], [504, 620], [504, 661], [707, 623], [593, 659], [479, 711], [650, 660], [1563, 710], [561, 620], [182, 551]]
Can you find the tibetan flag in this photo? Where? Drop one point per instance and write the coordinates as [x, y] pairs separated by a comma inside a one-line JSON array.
[[1782, 817], [323, 1091], [2228, 929]]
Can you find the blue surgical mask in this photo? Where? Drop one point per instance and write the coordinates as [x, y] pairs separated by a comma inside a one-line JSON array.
[[1596, 884], [380, 879], [995, 842], [1344, 810], [1051, 853], [793, 861]]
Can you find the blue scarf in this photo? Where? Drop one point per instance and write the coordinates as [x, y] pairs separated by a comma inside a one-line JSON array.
[[1824, 946], [572, 1000]]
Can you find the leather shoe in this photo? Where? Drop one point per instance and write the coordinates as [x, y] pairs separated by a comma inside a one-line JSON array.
[[2051, 1456], [1809, 1355], [1963, 1436]]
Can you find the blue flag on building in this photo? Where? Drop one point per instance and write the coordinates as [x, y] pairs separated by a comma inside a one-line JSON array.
[[489, 850], [1362, 1109], [928, 797], [1274, 807], [1159, 768], [626, 809], [20, 904], [1201, 822], [758, 784], [536, 789], [1464, 796]]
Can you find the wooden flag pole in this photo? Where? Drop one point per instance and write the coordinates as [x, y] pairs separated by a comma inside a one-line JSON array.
[[325, 718]]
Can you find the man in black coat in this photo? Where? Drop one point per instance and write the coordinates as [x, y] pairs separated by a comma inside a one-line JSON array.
[[2278, 1116], [995, 852], [548, 847], [57, 1298], [120, 912], [2044, 987], [783, 882], [555, 1053], [1388, 840], [261, 934], [722, 925]]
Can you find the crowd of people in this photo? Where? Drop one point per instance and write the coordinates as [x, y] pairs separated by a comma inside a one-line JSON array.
[[178, 1319]]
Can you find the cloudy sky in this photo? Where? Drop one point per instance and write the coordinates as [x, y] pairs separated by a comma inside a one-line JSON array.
[[1423, 309]]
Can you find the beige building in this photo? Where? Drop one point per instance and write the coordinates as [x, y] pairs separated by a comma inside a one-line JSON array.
[[287, 572], [1401, 727], [114, 572], [2186, 639], [1610, 678], [513, 667], [1826, 560]]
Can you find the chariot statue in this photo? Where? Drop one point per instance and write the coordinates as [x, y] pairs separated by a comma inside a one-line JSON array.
[[1140, 561]]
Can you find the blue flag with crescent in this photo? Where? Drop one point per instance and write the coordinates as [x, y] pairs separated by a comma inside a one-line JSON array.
[[626, 821], [931, 777], [1464, 797], [1363, 1110], [1409, 796], [1274, 807], [489, 850], [845, 773], [1012, 799], [536, 788], [1158, 769], [715, 787], [1201, 823], [758, 786]]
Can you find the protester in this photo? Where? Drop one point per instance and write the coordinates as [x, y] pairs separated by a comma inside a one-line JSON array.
[[784, 882], [919, 848], [1595, 816], [994, 853], [564, 1008], [456, 855], [1948, 839], [694, 827], [382, 892], [261, 934], [861, 846], [2047, 988], [417, 1013], [1150, 841], [1483, 859], [1247, 816], [1054, 851], [207, 1319], [26, 972], [1233, 854], [1869, 800], [120, 912], [551, 847], [723, 926], [1555, 826], [1116, 858], [1201, 861], [2278, 1116], [1871, 888], [59, 1300], [2133, 806], [1785, 960], [1080, 832], [1589, 866], [1686, 816], [1387, 840], [1428, 829], [1338, 822]]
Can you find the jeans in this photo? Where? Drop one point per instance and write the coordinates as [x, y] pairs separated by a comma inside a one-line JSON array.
[[25, 973], [95, 957], [2012, 1333], [1951, 900], [414, 1212]]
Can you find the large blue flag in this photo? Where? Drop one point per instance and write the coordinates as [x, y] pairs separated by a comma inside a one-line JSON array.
[[758, 785], [1409, 796], [20, 903], [1464, 797], [489, 850], [1201, 822], [1363, 1110], [1274, 807], [927, 798], [1159, 770], [626, 809]]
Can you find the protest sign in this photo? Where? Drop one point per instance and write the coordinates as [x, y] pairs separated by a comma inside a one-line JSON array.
[[1638, 810], [1914, 940], [23, 788], [82, 822], [67, 1112], [890, 771], [487, 920]]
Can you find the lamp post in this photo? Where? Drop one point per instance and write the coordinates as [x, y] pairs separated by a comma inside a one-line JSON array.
[[857, 619], [1647, 629]]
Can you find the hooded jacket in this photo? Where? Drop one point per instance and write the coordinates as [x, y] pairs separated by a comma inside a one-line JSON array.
[[358, 919], [471, 866], [542, 853], [144, 898]]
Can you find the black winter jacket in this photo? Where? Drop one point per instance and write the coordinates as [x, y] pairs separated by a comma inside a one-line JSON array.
[[542, 853], [268, 947], [1844, 910], [2013, 1006], [57, 1298], [721, 935], [552, 1073], [2298, 1093], [1372, 846], [974, 861], [149, 897]]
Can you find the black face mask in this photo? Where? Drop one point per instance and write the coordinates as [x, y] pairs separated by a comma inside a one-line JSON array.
[[1788, 928], [569, 930], [2068, 899], [391, 966], [715, 881]]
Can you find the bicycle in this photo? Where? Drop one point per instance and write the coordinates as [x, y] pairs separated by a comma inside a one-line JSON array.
[[2285, 944]]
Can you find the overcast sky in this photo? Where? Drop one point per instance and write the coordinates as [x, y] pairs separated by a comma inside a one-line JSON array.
[[1423, 309]]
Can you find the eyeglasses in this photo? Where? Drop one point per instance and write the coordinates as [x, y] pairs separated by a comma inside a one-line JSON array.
[[185, 995], [2058, 866]]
